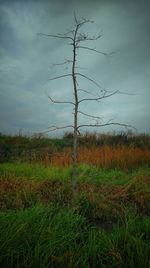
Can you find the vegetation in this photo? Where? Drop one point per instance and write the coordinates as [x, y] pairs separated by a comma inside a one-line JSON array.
[[100, 148], [108, 225]]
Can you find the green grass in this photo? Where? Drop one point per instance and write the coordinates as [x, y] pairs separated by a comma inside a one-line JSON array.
[[107, 226], [86, 173], [34, 171], [51, 237]]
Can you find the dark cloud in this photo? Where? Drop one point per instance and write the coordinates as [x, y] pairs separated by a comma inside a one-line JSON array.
[[26, 59]]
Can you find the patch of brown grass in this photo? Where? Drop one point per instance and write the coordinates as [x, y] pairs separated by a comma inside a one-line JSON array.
[[54, 191], [16, 193], [123, 157], [100, 202], [105, 204]]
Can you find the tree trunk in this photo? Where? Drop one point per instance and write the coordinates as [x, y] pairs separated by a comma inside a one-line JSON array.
[[74, 154]]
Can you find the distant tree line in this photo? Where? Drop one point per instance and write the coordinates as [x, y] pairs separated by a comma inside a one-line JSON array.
[[24, 148]]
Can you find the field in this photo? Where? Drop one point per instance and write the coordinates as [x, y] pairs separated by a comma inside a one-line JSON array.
[[106, 225]]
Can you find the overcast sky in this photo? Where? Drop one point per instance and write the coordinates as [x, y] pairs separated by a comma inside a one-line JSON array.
[[26, 63]]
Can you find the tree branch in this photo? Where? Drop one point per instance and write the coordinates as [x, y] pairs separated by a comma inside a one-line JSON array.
[[61, 63], [91, 116], [95, 50], [60, 76], [68, 32], [81, 22], [54, 128], [63, 102], [106, 124], [100, 97], [56, 36], [85, 37], [90, 79]]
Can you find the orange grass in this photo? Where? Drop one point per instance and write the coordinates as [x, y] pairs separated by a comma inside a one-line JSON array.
[[123, 157]]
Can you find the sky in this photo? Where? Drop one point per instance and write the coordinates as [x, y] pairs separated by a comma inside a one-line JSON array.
[[27, 63]]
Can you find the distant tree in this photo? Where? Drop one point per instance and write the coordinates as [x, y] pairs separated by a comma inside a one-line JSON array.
[[76, 39]]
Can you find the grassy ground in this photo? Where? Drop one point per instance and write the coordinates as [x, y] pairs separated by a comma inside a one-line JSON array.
[[108, 224]]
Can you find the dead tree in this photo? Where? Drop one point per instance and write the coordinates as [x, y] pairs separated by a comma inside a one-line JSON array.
[[76, 38]]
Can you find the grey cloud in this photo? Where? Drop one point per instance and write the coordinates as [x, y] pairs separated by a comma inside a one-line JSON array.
[[26, 59]]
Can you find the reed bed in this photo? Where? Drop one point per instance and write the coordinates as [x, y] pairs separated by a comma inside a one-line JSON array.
[[123, 157]]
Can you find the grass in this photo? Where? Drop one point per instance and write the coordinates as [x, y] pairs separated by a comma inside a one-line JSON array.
[[85, 172], [34, 171], [107, 226], [52, 237]]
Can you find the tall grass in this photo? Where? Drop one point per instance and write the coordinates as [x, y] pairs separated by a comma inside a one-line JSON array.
[[23, 185], [107, 157], [51, 237], [124, 151]]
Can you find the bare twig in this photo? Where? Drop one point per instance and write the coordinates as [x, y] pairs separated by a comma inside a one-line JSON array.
[[56, 36], [95, 50], [61, 63], [100, 97], [53, 128], [60, 76], [66, 33], [106, 124], [63, 102], [91, 116], [85, 37], [90, 79], [80, 22]]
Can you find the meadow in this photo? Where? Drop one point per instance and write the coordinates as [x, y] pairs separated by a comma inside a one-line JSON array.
[[106, 225]]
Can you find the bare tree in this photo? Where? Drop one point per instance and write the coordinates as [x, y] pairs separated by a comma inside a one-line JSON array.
[[76, 38]]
